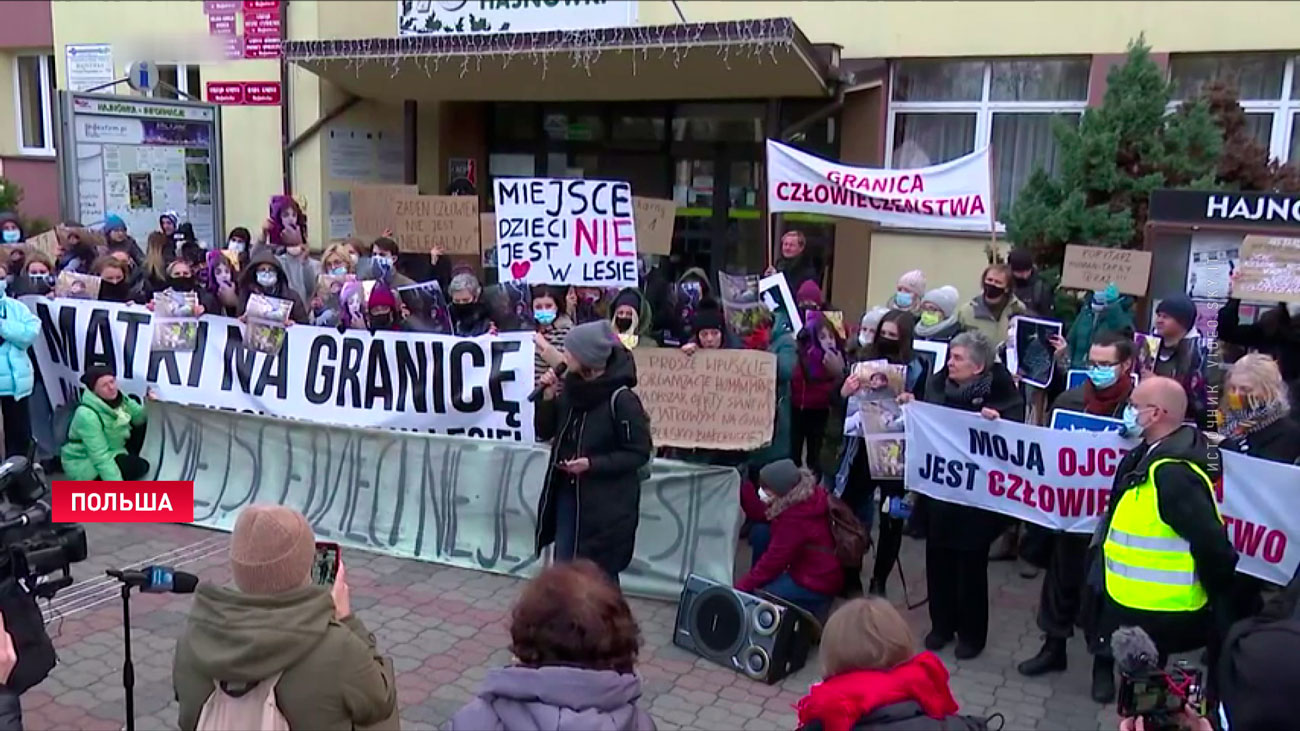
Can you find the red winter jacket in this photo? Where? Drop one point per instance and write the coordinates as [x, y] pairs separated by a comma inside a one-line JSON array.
[[809, 393], [801, 544], [914, 691]]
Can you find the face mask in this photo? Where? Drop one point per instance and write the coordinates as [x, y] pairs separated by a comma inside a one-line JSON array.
[[544, 317], [622, 324], [765, 496], [887, 347], [113, 291], [41, 278], [1235, 402], [1103, 376], [181, 284], [294, 250], [864, 338], [11, 235], [1131, 425], [993, 292], [235, 245], [903, 299], [339, 271], [459, 310], [930, 318], [1098, 306], [267, 279], [381, 322]]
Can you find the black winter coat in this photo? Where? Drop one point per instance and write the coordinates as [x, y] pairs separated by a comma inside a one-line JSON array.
[[1187, 506], [962, 527], [1277, 442], [613, 432], [907, 716]]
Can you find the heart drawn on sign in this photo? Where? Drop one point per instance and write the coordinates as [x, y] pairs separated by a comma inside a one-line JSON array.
[[519, 269]]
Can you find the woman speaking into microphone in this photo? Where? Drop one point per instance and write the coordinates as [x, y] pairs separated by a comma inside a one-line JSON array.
[[600, 443]]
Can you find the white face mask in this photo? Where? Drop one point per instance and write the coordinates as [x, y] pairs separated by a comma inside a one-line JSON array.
[[765, 496], [864, 338]]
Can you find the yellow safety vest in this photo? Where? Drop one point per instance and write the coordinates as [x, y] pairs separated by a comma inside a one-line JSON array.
[[1148, 565]]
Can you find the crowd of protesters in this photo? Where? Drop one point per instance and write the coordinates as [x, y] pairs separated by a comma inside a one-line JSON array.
[[584, 338]]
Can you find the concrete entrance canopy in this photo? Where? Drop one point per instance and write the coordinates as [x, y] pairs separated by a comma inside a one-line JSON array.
[[757, 59]]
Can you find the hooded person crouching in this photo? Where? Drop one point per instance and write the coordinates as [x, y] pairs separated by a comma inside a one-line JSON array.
[[600, 441], [276, 623]]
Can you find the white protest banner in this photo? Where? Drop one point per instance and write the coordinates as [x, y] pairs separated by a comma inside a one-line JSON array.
[[434, 383], [576, 232], [954, 195], [1062, 480], [1260, 503], [448, 500]]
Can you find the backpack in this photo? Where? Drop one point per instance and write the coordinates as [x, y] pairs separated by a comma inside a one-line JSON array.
[[642, 472], [253, 710], [852, 540], [62, 423]]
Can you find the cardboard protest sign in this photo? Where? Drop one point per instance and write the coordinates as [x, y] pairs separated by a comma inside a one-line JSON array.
[[487, 231], [574, 232], [448, 222], [1094, 267], [1268, 270], [373, 208], [47, 242], [654, 224], [714, 399]]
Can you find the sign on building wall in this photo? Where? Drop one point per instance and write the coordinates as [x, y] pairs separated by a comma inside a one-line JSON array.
[[448, 17], [89, 65], [138, 159]]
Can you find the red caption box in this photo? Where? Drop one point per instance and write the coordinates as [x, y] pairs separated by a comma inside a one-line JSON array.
[[122, 502]]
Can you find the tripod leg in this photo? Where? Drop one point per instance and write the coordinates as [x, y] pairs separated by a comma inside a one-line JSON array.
[[128, 667]]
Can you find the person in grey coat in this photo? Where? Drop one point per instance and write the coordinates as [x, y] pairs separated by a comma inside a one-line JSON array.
[[576, 644]]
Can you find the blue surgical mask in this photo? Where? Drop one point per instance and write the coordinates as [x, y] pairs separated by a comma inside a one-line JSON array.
[[267, 279], [1103, 376], [544, 317], [1099, 306], [903, 299], [12, 235], [1131, 426], [339, 271]]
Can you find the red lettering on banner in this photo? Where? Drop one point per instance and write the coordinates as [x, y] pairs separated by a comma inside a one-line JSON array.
[[1274, 546], [122, 502], [1100, 461], [1248, 538], [997, 486], [1046, 498]]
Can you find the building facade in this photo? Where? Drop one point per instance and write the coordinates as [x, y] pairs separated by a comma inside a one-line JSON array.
[[676, 97]]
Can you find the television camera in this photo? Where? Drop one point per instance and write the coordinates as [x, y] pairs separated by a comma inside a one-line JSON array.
[[31, 547]]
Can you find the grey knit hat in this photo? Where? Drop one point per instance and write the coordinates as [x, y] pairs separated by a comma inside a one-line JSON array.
[[591, 343], [780, 476], [945, 298]]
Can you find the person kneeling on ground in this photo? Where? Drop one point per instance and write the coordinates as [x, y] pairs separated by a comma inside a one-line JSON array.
[[106, 433], [794, 553], [575, 643], [874, 678], [278, 624]]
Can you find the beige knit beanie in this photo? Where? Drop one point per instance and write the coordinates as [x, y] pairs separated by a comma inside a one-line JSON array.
[[272, 550]]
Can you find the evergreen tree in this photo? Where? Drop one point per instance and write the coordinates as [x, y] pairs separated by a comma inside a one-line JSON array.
[[1110, 163], [1244, 163]]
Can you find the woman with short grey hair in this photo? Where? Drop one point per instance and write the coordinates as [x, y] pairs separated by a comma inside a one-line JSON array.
[[470, 317], [959, 536]]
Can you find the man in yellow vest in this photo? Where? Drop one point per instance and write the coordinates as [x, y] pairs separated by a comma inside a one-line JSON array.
[[1166, 563]]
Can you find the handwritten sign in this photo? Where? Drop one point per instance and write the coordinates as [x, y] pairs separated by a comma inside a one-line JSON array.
[[47, 242], [654, 224], [714, 399], [1268, 270], [448, 222], [373, 207], [487, 230], [578, 232], [1095, 267]]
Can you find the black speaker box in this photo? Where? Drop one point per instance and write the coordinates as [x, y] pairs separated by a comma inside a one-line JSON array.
[[763, 637]]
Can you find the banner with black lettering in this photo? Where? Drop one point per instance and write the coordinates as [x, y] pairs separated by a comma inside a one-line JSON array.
[[1062, 480], [474, 387]]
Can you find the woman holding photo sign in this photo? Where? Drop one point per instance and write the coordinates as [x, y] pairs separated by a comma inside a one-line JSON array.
[[600, 443], [959, 536]]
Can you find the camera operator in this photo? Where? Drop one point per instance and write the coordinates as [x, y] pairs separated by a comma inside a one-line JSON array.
[[26, 652]]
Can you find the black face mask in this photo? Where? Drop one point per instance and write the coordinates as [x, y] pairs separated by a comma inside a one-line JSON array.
[[622, 324], [118, 292], [1025, 279], [888, 348], [993, 292], [461, 310], [36, 285], [181, 284], [382, 322]]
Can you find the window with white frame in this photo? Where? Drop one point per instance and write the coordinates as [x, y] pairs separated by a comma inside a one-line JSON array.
[[34, 101], [943, 109], [1269, 89], [185, 78]]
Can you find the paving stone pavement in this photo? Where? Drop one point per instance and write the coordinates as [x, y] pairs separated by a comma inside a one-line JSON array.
[[444, 627]]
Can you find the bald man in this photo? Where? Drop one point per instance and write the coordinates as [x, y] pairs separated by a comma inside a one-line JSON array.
[[1167, 563]]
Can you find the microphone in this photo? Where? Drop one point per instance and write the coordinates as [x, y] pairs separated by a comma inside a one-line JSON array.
[[1134, 650], [537, 392], [157, 580]]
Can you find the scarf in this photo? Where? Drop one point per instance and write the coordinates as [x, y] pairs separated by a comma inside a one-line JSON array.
[[840, 701], [960, 396], [1243, 422], [925, 333], [797, 494], [1106, 401]]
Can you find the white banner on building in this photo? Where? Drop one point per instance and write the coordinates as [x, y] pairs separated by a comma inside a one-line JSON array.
[[955, 195], [440, 17], [475, 387], [1062, 480]]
